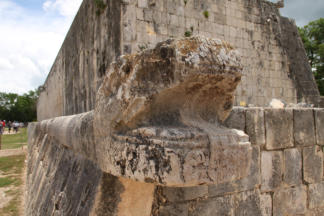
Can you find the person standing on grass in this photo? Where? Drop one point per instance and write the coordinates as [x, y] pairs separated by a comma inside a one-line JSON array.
[[9, 126], [1, 127], [15, 126]]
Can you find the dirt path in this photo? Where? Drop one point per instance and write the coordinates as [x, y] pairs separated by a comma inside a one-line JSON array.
[[23, 190], [4, 199], [12, 152], [6, 195]]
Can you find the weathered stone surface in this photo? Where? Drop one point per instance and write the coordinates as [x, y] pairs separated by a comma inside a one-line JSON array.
[[253, 180], [126, 27], [136, 198], [266, 204], [255, 126], [236, 119], [216, 206], [271, 170], [172, 210], [315, 212], [290, 201], [241, 204], [293, 167], [266, 39], [108, 196], [304, 127], [59, 181], [279, 128], [92, 43], [319, 122], [247, 203], [316, 195], [178, 194], [162, 110], [321, 102], [313, 164]]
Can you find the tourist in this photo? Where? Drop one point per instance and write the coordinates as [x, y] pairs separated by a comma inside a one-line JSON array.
[[15, 127], [9, 125]]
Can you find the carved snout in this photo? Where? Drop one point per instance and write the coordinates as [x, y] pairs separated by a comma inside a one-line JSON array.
[[157, 116]]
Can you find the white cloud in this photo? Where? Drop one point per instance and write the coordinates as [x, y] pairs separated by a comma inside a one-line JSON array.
[[303, 11], [29, 43], [5, 64], [66, 8]]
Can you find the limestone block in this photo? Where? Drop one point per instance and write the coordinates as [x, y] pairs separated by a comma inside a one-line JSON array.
[[293, 167], [148, 15], [313, 164], [255, 126], [315, 212], [178, 194], [279, 128], [253, 180], [247, 203], [266, 204], [174, 20], [236, 119], [172, 210], [304, 127], [139, 14], [319, 122], [271, 170], [142, 3], [316, 195], [135, 198], [216, 206], [290, 201]]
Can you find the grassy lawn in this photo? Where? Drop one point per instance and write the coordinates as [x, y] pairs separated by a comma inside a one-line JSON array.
[[13, 141], [11, 169], [12, 165]]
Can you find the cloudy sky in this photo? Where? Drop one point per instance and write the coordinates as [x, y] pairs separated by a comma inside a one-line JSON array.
[[32, 31]]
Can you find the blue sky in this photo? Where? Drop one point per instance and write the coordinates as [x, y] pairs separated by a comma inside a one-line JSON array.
[[30, 4], [32, 31], [31, 34]]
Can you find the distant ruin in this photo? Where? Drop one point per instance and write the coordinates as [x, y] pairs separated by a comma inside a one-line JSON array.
[[136, 117]]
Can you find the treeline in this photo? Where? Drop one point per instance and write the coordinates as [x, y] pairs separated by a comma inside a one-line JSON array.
[[21, 108], [312, 35]]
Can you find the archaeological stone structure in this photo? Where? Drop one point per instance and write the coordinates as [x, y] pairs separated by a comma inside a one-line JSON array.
[[159, 108], [272, 52]]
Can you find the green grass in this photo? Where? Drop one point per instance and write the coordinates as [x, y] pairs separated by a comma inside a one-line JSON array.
[[7, 181], [11, 168], [13, 141], [12, 164]]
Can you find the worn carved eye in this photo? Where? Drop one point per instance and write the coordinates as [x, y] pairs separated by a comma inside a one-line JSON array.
[[164, 52]]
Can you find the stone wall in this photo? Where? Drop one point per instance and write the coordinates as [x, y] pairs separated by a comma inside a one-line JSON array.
[[253, 27], [322, 102], [275, 63], [91, 44], [285, 177]]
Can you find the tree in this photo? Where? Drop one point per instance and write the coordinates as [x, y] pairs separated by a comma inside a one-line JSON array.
[[312, 35], [22, 108]]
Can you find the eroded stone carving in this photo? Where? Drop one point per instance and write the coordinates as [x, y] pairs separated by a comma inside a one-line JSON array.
[[157, 116]]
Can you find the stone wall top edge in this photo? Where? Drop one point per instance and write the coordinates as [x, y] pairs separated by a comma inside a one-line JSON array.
[[270, 108], [74, 24]]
